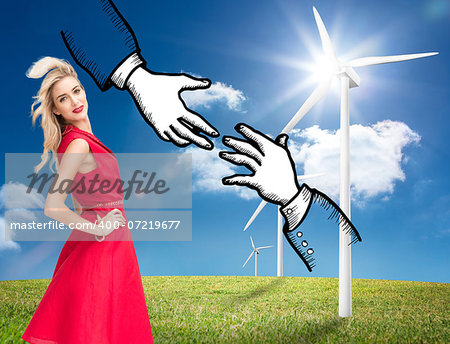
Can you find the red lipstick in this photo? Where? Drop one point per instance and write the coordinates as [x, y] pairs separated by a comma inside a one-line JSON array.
[[78, 109]]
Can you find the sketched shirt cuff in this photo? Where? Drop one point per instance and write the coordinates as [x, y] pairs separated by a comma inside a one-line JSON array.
[[297, 208], [125, 69]]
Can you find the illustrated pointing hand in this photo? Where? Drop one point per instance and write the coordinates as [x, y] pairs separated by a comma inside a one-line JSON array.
[[274, 178], [273, 170], [158, 98]]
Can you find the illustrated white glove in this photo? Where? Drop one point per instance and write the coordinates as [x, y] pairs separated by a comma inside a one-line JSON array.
[[158, 98], [273, 169], [104, 226]]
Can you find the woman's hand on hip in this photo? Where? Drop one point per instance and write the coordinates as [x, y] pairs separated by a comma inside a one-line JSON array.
[[114, 219]]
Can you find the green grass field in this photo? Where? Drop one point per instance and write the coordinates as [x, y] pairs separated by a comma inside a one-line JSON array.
[[266, 310]]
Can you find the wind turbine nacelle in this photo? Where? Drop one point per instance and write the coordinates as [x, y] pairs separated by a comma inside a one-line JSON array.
[[350, 73]]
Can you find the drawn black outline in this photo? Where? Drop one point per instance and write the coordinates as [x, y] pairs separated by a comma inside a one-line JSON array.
[[314, 195], [119, 22]]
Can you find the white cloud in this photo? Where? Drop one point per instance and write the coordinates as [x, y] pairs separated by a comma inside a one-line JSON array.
[[375, 151], [218, 93], [376, 161], [14, 195], [6, 245], [208, 170]]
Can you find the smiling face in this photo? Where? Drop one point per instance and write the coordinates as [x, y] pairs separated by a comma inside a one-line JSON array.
[[69, 99]]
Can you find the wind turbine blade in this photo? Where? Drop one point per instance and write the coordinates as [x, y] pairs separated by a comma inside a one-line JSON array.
[[374, 60], [260, 248], [315, 96], [255, 214], [248, 258], [327, 46], [309, 176], [252, 242]]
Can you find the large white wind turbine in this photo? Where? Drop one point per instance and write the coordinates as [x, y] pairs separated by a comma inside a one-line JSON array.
[[349, 79], [255, 252], [279, 225]]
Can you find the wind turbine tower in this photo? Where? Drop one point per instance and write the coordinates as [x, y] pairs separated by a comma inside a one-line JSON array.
[[348, 79]]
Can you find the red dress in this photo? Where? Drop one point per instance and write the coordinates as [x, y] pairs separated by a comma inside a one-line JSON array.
[[96, 294]]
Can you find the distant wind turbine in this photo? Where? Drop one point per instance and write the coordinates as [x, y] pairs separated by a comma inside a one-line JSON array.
[[279, 225], [255, 252]]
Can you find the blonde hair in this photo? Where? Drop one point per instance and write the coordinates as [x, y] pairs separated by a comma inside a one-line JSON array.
[[52, 125]]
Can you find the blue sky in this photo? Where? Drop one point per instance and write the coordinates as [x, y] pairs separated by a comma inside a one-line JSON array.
[[254, 55]]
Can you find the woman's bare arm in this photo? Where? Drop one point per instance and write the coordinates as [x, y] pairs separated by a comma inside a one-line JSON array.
[[55, 206], [76, 206]]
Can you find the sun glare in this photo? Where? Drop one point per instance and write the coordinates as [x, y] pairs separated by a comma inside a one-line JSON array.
[[313, 66], [307, 60], [323, 68]]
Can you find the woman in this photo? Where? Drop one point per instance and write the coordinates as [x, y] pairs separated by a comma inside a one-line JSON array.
[[96, 293]]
